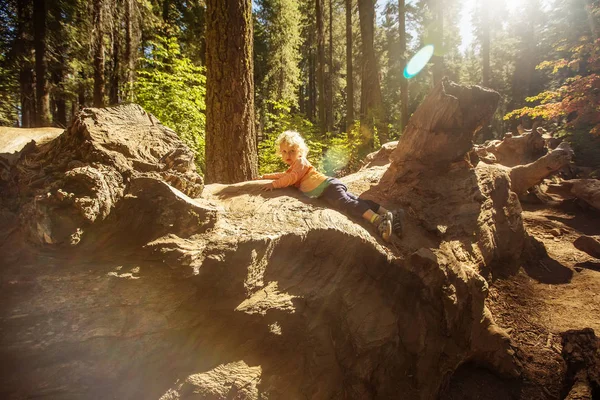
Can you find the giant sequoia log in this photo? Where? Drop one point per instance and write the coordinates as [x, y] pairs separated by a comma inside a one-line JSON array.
[[115, 284]]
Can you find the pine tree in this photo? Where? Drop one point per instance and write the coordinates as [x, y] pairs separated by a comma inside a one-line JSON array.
[[372, 114], [231, 149], [349, 69], [42, 92]]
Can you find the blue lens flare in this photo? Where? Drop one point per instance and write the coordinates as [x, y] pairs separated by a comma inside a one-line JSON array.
[[418, 61]]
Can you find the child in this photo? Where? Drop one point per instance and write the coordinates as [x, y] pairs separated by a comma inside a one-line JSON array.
[[312, 183]]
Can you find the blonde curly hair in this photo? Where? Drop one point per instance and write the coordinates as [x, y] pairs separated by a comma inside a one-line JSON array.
[[293, 139]]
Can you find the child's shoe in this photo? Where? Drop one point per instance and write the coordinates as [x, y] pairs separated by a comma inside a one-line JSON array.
[[397, 224], [384, 226]]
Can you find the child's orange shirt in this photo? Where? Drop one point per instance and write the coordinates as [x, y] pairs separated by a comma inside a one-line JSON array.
[[300, 174]]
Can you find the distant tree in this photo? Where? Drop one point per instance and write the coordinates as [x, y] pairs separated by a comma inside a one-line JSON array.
[[98, 52], [42, 92], [331, 73], [321, 66], [402, 49], [526, 81], [231, 149], [574, 94], [349, 69], [280, 22], [24, 56], [372, 113]]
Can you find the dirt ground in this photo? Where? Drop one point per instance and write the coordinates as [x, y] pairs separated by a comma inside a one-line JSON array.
[[559, 293]]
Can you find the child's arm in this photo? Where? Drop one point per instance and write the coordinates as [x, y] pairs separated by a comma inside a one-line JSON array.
[[292, 175], [275, 175]]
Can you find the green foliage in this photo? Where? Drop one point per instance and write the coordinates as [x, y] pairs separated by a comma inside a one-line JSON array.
[[346, 152], [174, 90], [278, 121], [575, 102], [279, 22], [333, 155], [8, 97]]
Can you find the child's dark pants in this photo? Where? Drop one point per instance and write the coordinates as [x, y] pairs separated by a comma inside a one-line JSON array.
[[337, 195]]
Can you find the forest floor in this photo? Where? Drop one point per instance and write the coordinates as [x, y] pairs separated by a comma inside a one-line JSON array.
[[544, 299]]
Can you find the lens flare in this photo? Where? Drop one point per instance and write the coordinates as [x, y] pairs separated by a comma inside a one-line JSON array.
[[418, 61]]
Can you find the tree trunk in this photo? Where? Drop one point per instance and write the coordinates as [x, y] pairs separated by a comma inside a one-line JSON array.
[[113, 97], [372, 113], [526, 60], [230, 140], [57, 67], [24, 55], [129, 50], [166, 5], [81, 89], [42, 95], [438, 40], [349, 72], [59, 112], [312, 86], [485, 44], [98, 46], [321, 67], [403, 80], [592, 19], [330, 75]]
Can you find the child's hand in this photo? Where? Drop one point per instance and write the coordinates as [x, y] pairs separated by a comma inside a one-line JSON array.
[[268, 186]]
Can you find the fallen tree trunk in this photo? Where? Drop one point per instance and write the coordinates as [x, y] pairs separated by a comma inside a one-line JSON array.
[[514, 150], [247, 292], [524, 177]]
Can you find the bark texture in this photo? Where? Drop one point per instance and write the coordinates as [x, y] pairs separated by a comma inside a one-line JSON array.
[[74, 181], [514, 150], [231, 154], [581, 351], [441, 131], [524, 177]]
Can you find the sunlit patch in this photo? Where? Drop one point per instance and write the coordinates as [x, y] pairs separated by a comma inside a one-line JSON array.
[[336, 158], [233, 380], [127, 275], [275, 328], [267, 298], [418, 61]]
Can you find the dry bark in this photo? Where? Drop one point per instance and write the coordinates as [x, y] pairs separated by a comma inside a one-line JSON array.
[[587, 190], [524, 177], [62, 187], [580, 351], [514, 150]]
